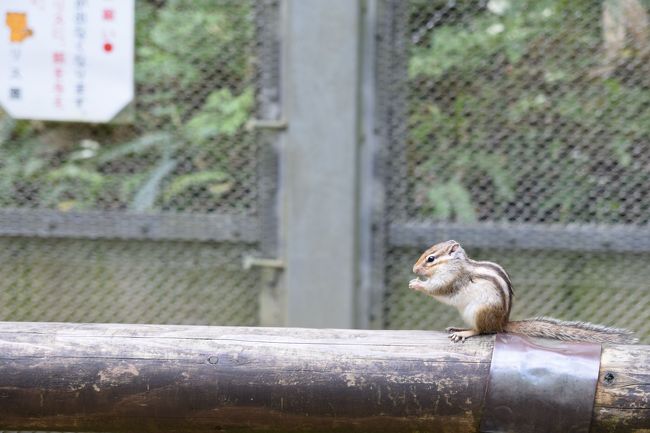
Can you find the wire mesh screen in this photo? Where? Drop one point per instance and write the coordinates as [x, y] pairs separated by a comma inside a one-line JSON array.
[[513, 126], [164, 202], [116, 281]]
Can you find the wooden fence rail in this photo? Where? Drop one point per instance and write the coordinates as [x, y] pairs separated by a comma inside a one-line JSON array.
[[97, 377]]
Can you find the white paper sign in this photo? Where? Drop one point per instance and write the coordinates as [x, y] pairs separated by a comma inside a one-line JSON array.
[[67, 60]]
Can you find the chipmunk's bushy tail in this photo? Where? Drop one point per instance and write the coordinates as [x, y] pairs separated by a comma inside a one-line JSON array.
[[570, 331]]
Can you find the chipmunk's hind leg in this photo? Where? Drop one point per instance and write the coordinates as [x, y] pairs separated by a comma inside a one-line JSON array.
[[463, 335], [451, 329]]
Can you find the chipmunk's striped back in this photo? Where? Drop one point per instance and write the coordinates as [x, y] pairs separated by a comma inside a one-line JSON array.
[[499, 278]]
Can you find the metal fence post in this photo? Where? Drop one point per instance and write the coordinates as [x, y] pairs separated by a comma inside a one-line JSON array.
[[319, 180], [372, 231], [272, 303]]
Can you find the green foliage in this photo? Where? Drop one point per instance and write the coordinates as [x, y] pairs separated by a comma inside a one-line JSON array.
[[194, 96], [146, 196], [215, 181], [185, 42], [139, 146], [6, 128], [451, 200], [222, 114], [508, 96]]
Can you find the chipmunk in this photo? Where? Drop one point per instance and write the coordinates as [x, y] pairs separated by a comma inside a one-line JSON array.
[[483, 294]]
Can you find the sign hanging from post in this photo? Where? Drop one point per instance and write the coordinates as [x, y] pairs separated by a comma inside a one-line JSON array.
[[66, 60]]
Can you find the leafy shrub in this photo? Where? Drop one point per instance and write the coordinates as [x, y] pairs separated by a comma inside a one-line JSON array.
[[512, 117], [186, 146]]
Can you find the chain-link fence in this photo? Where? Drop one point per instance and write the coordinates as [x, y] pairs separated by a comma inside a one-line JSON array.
[[521, 128], [147, 219]]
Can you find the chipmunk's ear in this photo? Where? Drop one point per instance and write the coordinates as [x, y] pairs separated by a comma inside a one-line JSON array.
[[455, 250]]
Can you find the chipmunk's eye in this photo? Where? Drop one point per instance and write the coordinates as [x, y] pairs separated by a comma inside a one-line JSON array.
[[431, 258]]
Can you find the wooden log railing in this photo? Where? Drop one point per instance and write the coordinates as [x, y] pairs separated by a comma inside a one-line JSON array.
[[94, 377]]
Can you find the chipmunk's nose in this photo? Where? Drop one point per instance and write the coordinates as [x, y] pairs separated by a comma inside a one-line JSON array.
[[416, 268]]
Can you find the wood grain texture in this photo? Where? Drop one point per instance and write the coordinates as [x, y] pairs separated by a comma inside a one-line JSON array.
[[94, 377], [623, 392]]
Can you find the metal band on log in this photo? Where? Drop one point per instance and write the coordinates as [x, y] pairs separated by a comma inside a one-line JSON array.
[[96, 377], [532, 378]]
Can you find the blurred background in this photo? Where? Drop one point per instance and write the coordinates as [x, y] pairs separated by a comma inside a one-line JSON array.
[[519, 128]]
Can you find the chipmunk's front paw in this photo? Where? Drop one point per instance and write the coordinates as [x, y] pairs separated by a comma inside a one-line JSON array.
[[416, 284]]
